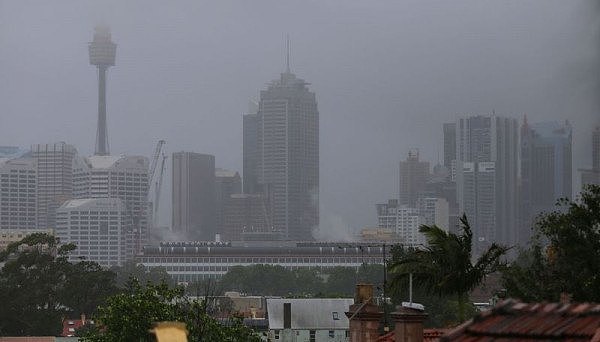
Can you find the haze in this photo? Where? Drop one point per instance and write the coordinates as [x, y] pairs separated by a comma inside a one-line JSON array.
[[387, 74]]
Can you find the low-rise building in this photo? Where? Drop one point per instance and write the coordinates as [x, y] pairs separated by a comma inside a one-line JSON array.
[[8, 236], [308, 319], [188, 262]]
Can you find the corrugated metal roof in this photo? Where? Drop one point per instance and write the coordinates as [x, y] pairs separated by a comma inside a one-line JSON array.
[[512, 320], [310, 313]]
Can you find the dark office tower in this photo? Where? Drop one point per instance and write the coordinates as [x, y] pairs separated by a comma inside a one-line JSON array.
[[250, 154], [546, 175], [227, 183], [55, 179], [486, 153], [288, 154], [102, 55], [592, 176], [413, 177], [449, 144], [596, 149], [194, 196]]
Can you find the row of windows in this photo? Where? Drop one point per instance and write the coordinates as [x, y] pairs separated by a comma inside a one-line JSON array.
[[262, 260]]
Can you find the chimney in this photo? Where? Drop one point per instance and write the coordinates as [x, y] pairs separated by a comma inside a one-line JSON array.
[[409, 318], [364, 316]]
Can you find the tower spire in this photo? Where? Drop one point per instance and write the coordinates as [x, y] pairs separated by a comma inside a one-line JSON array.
[[287, 53]]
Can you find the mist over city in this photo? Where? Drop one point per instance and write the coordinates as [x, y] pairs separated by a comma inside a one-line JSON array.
[[305, 150]]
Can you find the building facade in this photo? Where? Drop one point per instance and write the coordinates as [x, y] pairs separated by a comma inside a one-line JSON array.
[[55, 179], [449, 144], [592, 176], [100, 228], [188, 262], [434, 211], [546, 170], [18, 194], [414, 174], [250, 153], [193, 201], [288, 154], [245, 215], [487, 160], [227, 183], [404, 221], [477, 192]]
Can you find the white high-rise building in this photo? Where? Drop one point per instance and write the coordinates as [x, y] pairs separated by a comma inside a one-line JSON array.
[[434, 211], [403, 221], [486, 177], [54, 178], [18, 194], [100, 228], [118, 177]]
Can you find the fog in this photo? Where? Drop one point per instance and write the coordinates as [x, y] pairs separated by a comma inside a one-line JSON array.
[[387, 74]]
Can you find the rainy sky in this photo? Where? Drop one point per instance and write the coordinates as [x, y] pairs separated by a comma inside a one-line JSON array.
[[387, 74]]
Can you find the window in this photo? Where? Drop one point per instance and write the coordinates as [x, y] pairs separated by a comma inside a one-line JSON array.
[[331, 333], [312, 336]]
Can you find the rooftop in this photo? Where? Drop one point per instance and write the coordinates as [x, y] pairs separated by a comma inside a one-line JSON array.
[[513, 320]]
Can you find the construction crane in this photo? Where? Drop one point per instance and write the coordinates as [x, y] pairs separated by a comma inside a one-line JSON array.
[[158, 187], [154, 163]]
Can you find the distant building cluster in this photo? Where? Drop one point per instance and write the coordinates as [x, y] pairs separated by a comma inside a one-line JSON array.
[[501, 177]]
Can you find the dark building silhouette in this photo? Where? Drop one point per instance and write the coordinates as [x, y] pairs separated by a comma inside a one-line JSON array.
[[449, 144], [288, 154], [250, 152], [413, 177], [592, 176], [546, 176], [194, 196], [227, 183]]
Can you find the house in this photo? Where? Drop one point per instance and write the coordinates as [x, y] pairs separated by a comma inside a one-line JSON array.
[[515, 321], [308, 319]]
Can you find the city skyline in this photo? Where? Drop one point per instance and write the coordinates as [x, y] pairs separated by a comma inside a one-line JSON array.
[[342, 116]]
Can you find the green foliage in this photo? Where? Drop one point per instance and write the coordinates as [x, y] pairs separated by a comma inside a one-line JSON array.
[[303, 282], [564, 255], [38, 286], [445, 266], [129, 316], [131, 269]]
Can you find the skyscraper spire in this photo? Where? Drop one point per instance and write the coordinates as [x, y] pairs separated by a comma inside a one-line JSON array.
[[287, 54]]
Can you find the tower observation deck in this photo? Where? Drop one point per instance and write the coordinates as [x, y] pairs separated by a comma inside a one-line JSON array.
[[102, 54]]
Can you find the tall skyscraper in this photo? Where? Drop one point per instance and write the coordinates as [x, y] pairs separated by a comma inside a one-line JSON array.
[[413, 177], [288, 154], [102, 54], [449, 144], [487, 157], [55, 179], [18, 194], [546, 175], [592, 176], [250, 150], [227, 183], [194, 195]]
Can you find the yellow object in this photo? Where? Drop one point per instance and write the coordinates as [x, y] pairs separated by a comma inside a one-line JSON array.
[[170, 332]]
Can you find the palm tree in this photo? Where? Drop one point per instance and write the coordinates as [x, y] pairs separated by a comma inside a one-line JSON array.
[[444, 267]]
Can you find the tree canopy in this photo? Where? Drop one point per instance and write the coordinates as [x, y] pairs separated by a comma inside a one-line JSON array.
[[444, 267], [564, 255]]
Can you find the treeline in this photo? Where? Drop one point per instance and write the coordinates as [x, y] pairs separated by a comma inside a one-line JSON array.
[[562, 260], [268, 280]]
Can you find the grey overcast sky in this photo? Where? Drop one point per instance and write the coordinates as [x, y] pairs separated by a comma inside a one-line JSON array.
[[387, 74]]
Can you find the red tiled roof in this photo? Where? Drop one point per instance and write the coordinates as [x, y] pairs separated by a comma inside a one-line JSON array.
[[512, 320], [28, 339], [70, 325], [429, 335]]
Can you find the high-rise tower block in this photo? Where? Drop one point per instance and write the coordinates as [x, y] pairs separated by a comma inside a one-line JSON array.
[[102, 55]]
